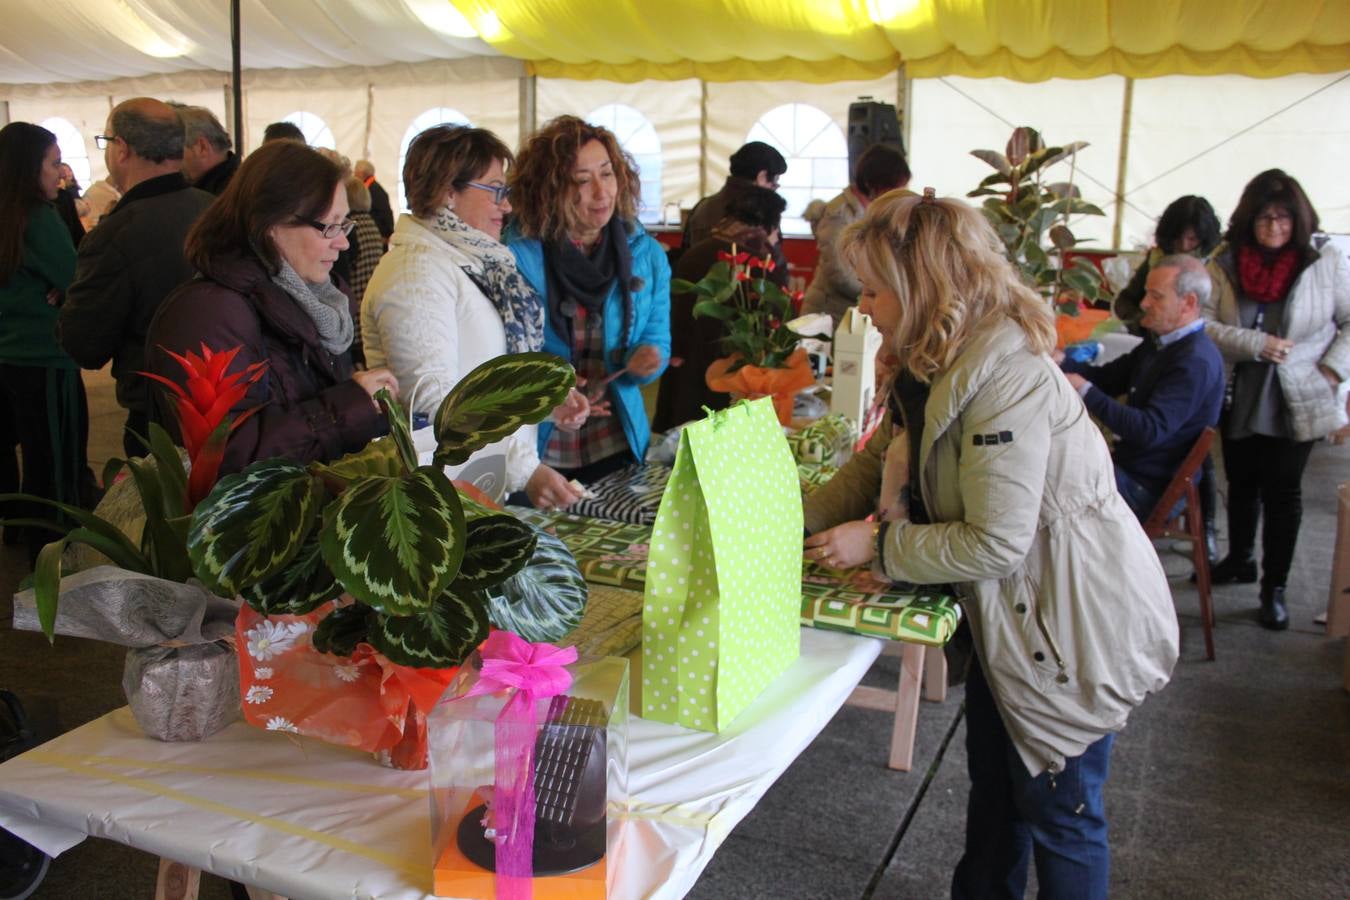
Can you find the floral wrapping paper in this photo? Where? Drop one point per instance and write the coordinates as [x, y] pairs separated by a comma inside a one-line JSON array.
[[362, 701], [615, 554]]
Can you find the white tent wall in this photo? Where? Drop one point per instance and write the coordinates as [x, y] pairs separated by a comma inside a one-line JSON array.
[[87, 115], [1302, 125], [672, 107], [342, 109]]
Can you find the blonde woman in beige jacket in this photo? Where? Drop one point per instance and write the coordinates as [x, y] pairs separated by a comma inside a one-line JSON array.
[[1280, 315], [1015, 506]]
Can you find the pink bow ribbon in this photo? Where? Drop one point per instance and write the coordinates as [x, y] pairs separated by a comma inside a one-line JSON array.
[[533, 672]]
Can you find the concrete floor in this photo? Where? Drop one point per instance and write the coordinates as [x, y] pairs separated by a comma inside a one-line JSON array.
[[1233, 782]]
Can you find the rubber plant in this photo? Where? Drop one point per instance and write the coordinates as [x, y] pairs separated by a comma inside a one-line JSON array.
[[427, 569], [170, 484], [1026, 210]]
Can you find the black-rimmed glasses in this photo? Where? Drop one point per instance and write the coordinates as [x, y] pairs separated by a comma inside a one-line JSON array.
[[330, 230], [499, 192], [101, 141]]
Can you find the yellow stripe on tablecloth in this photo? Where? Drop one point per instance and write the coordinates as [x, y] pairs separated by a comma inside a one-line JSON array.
[[416, 869], [73, 761]]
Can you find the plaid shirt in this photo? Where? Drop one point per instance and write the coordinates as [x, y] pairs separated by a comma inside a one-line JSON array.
[[602, 436]]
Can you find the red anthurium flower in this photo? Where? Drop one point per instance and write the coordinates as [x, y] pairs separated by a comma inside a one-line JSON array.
[[742, 258], [203, 409], [724, 256], [742, 275], [768, 264]]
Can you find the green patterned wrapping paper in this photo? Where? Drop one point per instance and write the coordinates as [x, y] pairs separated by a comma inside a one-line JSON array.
[[615, 554], [827, 441]]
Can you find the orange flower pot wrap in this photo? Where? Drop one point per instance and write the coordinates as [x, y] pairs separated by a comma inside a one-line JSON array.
[[753, 382], [362, 701]]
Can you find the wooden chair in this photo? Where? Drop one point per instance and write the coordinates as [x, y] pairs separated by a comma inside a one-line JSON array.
[[1162, 524]]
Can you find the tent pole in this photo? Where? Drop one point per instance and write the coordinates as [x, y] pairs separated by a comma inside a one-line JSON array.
[[1126, 112], [236, 86]]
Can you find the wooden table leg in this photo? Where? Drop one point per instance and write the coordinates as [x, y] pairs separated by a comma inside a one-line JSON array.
[[176, 881]]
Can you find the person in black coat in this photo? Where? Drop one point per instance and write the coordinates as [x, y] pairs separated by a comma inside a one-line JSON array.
[[134, 258], [751, 225], [380, 210], [1173, 384]]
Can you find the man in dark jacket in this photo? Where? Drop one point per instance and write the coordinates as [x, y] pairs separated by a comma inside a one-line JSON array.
[[756, 164], [208, 161], [380, 210], [1173, 384], [131, 262]]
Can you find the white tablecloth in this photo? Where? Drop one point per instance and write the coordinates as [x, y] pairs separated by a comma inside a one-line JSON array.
[[305, 819]]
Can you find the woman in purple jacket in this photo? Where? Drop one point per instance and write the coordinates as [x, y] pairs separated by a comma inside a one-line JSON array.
[[264, 253]]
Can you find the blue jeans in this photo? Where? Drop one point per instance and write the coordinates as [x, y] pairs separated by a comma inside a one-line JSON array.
[[1057, 818], [1138, 497]]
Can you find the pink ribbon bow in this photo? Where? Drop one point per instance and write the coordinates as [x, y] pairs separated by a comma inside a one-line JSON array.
[[535, 672]]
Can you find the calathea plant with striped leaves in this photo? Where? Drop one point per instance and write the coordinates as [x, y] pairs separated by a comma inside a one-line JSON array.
[[419, 570]]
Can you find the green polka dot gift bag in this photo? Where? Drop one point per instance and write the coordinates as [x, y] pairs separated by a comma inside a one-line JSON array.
[[721, 614]]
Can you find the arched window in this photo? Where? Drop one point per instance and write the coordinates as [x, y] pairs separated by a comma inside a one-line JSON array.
[[437, 115], [638, 137], [816, 153], [316, 130], [73, 150]]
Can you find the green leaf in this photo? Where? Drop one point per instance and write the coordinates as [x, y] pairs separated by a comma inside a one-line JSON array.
[[251, 524], [342, 629], [302, 586], [714, 309], [163, 543], [395, 543], [1075, 206], [681, 286], [82, 517], [495, 399], [1068, 308], [443, 634], [495, 548], [111, 470], [546, 599], [169, 469], [1082, 282], [1062, 237], [1002, 167], [379, 457], [47, 585], [399, 433]]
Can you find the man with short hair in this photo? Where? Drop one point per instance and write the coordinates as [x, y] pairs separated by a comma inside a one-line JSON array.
[[283, 131], [208, 161], [134, 258], [1173, 384], [380, 209], [755, 164]]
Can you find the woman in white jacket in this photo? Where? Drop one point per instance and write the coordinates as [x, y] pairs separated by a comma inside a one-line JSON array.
[[1017, 508], [1280, 314], [447, 296]]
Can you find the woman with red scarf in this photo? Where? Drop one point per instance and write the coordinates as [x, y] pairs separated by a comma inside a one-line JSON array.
[[1280, 313]]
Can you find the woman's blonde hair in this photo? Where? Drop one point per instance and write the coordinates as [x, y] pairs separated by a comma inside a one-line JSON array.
[[945, 265], [542, 190]]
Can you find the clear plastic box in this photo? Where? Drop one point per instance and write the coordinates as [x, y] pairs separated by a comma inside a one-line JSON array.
[[580, 757]]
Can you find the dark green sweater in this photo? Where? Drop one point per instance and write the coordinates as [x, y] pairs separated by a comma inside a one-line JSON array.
[[27, 320]]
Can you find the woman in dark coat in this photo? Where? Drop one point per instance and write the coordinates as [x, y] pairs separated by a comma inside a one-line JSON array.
[[751, 225], [264, 252], [42, 401]]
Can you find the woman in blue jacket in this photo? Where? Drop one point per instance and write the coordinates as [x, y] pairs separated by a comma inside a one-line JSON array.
[[605, 284]]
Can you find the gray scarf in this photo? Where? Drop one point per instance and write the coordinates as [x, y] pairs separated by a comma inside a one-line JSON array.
[[324, 303]]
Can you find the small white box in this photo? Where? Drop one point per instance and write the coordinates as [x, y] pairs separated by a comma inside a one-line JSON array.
[[856, 342]]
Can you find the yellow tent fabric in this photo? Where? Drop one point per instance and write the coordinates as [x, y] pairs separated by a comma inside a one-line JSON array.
[[825, 40]]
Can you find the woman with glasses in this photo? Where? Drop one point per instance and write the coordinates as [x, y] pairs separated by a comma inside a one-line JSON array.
[[604, 281], [447, 297], [1280, 314], [264, 252], [42, 401]]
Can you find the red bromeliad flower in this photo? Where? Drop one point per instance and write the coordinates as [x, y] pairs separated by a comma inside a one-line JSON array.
[[203, 407]]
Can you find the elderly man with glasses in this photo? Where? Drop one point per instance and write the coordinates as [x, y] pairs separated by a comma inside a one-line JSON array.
[[134, 259]]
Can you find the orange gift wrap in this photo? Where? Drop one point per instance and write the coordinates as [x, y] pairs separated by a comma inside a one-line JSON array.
[[362, 701], [753, 382]]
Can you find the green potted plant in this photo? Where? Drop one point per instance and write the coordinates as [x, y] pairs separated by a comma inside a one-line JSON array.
[[1026, 210]]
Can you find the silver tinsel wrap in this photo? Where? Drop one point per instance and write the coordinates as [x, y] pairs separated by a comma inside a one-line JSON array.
[[182, 676]]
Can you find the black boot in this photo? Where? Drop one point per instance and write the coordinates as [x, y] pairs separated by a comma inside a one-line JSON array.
[[1209, 504], [1234, 569], [1273, 614]]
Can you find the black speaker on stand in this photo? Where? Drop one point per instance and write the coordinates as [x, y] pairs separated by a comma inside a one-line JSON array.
[[871, 122]]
